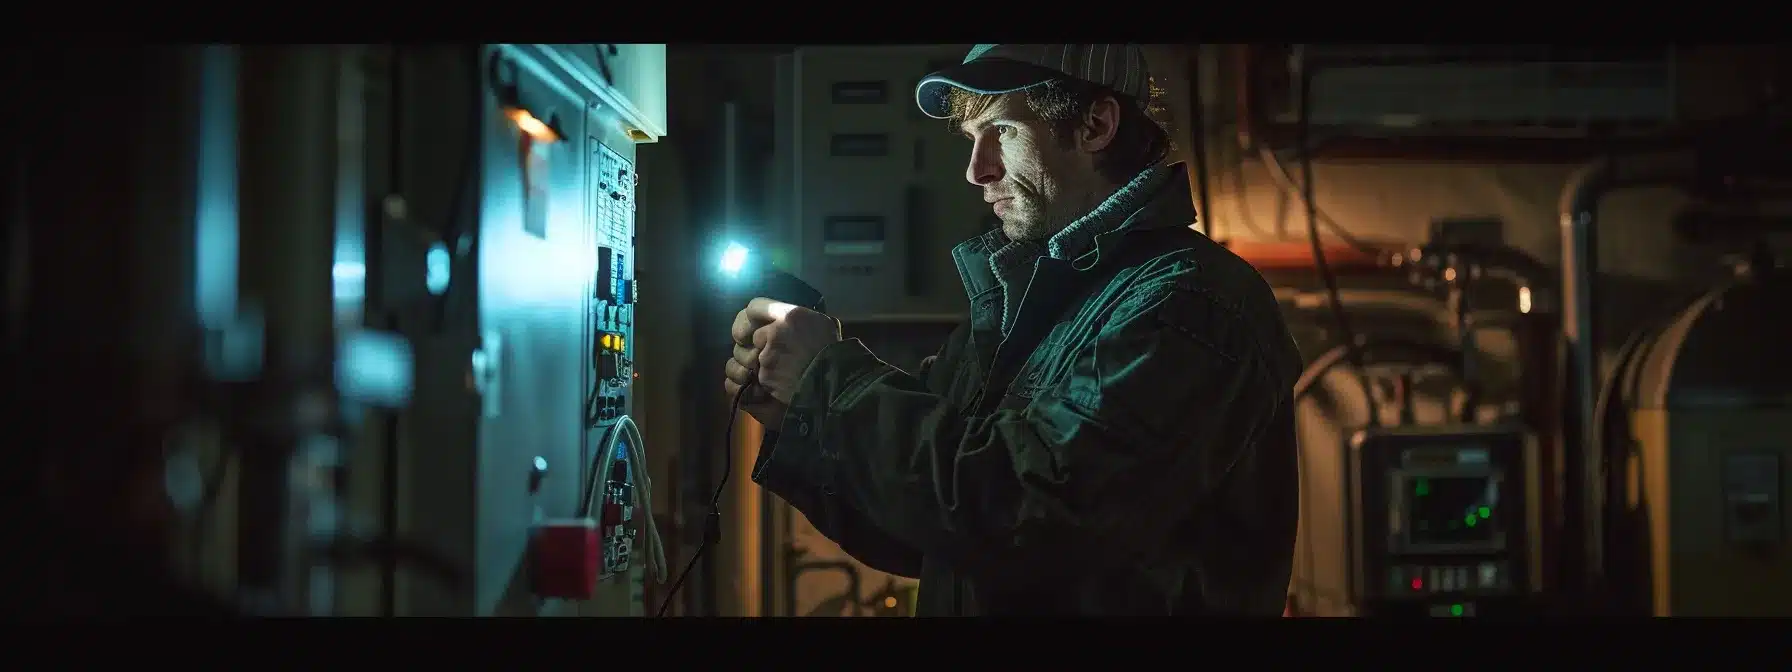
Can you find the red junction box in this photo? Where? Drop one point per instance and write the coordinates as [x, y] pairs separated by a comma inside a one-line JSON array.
[[564, 558]]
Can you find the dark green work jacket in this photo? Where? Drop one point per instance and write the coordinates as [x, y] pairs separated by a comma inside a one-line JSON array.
[[1127, 449]]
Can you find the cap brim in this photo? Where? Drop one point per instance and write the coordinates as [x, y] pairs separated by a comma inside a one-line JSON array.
[[986, 76]]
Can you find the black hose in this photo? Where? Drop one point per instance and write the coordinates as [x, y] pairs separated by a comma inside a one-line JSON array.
[[1334, 296]]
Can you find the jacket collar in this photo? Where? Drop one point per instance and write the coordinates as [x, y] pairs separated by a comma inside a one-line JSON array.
[[1172, 206]]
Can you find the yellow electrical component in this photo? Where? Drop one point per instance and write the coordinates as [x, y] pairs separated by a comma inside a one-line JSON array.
[[612, 342]]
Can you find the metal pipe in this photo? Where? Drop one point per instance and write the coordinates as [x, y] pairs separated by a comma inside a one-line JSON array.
[[1580, 263], [288, 246], [1579, 218]]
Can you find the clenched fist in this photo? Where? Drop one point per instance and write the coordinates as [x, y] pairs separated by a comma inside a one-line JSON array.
[[775, 342]]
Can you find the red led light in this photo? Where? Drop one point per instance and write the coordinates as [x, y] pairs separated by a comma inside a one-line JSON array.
[[1418, 584]]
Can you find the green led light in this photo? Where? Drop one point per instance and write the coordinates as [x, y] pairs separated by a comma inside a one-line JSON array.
[[1421, 487], [1455, 610], [1470, 520], [1485, 512]]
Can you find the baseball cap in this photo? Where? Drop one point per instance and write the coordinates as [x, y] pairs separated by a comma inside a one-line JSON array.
[[1005, 68]]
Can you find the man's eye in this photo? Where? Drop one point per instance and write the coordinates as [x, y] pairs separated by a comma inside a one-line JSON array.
[[1004, 130]]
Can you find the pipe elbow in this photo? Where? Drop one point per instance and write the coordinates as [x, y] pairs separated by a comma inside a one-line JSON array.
[[1583, 189]]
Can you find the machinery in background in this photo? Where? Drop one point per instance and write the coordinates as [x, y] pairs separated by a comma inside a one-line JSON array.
[[1445, 521], [1657, 489], [1686, 435], [1403, 556], [1664, 500], [1705, 459]]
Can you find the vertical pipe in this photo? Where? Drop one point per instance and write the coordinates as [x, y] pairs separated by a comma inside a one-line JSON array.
[[741, 580], [215, 242], [159, 287], [1580, 263], [288, 206], [781, 227]]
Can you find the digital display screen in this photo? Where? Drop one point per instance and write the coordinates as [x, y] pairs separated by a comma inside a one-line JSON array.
[[1453, 511]]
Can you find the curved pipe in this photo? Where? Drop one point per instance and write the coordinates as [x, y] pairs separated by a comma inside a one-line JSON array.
[[1369, 344]]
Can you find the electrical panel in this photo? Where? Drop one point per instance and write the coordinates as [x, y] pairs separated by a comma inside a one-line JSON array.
[[1486, 90], [1443, 521], [525, 356], [870, 193]]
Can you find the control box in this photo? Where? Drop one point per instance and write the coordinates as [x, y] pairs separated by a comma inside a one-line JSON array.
[[520, 160], [1443, 520]]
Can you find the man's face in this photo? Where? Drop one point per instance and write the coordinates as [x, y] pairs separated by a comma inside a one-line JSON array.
[[1036, 183]]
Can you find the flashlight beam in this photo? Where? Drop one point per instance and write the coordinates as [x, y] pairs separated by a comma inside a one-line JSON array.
[[734, 258]]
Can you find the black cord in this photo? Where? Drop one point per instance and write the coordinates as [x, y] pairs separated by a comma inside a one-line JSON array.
[[1334, 296], [712, 520], [1279, 174], [466, 184]]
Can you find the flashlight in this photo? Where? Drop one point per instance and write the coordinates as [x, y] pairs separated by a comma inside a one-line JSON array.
[[747, 275]]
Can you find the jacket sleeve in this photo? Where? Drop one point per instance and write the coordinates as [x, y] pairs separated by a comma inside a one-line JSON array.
[[853, 531], [1094, 471]]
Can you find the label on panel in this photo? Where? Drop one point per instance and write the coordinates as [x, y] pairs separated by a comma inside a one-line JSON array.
[[536, 189], [859, 144], [860, 93]]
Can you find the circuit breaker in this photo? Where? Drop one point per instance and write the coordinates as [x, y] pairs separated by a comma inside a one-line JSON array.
[[525, 357], [872, 192]]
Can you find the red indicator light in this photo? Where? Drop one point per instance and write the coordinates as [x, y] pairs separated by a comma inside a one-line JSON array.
[[1418, 584]]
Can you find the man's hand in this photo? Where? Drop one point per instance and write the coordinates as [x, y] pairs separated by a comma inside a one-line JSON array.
[[775, 342]]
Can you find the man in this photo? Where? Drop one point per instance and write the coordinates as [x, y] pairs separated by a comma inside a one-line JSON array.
[[1110, 433]]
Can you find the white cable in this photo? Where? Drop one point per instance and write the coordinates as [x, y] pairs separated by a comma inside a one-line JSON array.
[[656, 548]]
